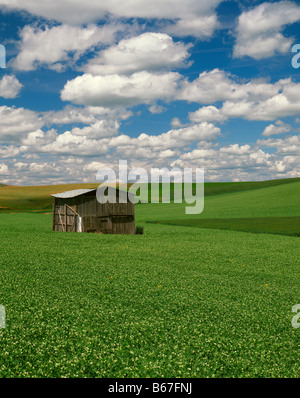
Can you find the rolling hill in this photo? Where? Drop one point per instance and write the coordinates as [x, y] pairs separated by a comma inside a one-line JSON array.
[[262, 206], [38, 198]]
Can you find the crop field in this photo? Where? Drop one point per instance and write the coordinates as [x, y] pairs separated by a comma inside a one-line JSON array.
[[182, 300]]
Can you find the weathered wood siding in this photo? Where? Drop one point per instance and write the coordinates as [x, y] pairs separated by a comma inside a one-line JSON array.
[[115, 218]]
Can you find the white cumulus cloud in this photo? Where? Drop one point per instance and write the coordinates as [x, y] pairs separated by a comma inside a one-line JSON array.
[[278, 128], [258, 33], [52, 46], [10, 86], [115, 90], [148, 51], [15, 123], [189, 17]]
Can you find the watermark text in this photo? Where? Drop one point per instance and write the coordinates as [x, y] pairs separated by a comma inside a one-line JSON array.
[[187, 186], [296, 318], [296, 58], [2, 317]]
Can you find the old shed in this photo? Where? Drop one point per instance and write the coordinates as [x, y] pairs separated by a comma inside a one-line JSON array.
[[80, 211]]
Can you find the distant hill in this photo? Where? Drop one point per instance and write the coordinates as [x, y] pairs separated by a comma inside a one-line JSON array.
[[273, 208], [39, 199], [33, 198]]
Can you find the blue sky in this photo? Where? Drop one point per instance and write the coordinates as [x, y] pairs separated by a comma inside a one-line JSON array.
[[161, 84]]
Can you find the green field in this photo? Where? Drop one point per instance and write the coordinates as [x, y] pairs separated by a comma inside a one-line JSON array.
[[184, 300], [271, 225]]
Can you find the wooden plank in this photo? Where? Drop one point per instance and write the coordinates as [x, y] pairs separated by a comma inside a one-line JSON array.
[[61, 221], [65, 217]]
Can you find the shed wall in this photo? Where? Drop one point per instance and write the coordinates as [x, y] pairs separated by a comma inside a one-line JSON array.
[[115, 218]]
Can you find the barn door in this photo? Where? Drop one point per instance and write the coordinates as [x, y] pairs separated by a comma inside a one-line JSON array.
[[71, 219]]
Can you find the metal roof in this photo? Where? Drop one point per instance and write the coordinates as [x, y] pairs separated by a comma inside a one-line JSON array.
[[72, 194], [78, 192]]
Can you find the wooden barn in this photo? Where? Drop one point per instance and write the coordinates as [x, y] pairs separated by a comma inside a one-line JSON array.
[[80, 211]]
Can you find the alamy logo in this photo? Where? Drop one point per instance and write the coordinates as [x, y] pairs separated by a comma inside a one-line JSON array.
[[2, 56], [2, 317], [296, 318], [296, 58], [188, 186]]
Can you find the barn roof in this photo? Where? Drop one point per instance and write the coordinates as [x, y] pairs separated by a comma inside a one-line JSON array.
[[73, 193], [76, 192]]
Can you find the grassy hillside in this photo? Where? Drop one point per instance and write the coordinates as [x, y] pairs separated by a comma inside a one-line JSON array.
[[274, 201], [38, 198], [273, 209], [270, 225], [220, 188], [33, 198], [265, 206]]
